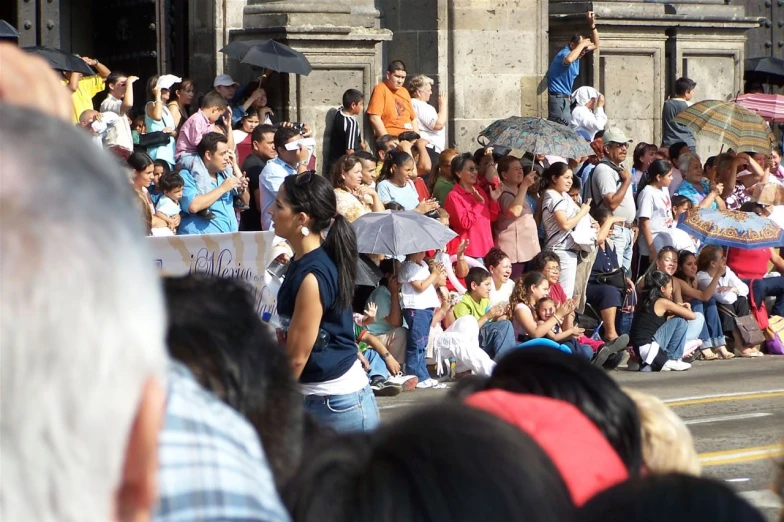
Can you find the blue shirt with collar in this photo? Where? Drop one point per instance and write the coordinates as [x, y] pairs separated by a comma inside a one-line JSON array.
[[212, 467], [560, 77], [225, 219], [275, 171]]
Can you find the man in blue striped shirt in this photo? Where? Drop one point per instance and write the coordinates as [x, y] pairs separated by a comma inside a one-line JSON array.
[[212, 466]]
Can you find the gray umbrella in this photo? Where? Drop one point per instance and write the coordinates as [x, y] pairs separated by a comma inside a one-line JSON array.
[[400, 233]]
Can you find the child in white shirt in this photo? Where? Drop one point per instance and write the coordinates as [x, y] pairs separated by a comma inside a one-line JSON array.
[[419, 299]]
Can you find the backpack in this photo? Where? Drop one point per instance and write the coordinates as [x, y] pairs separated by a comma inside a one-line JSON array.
[[774, 334]]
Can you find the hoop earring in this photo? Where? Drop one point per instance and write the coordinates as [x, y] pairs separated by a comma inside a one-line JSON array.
[[305, 231]]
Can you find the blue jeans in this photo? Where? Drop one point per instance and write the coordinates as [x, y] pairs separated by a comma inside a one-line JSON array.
[[671, 337], [347, 413], [497, 338], [377, 365], [418, 322], [712, 335], [622, 240], [581, 350], [769, 286], [694, 327]]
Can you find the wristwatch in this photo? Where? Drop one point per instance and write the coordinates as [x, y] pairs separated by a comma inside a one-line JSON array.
[[386, 355]]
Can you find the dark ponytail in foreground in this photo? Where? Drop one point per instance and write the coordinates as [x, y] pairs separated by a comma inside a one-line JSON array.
[[312, 194]]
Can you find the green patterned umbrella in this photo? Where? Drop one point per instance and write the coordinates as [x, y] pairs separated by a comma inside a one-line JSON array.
[[537, 135], [729, 124]]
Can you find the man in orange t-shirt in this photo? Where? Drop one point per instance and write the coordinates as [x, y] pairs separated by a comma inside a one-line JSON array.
[[390, 109]]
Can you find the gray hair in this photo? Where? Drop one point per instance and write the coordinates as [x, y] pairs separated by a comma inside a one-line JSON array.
[[82, 322], [417, 82], [685, 159]]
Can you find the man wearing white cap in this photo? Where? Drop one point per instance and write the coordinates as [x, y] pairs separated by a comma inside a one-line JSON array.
[[610, 186], [588, 115]]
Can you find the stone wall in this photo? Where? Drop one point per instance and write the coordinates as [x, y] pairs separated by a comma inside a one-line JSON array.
[[644, 47], [210, 23]]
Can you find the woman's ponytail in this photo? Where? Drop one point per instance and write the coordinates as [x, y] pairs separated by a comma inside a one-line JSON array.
[[341, 245]]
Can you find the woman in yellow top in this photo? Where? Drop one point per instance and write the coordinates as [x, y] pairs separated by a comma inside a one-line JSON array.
[[353, 198]]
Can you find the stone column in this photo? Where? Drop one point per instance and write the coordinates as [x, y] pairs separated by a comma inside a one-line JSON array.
[[342, 41]]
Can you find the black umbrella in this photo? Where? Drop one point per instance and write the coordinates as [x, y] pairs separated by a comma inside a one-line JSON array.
[[239, 48], [8, 31], [368, 274], [269, 54], [61, 60], [765, 65], [764, 69]]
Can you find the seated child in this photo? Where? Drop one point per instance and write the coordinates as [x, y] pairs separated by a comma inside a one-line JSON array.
[[168, 206], [456, 340], [545, 309], [384, 374], [496, 335], [213, 106]]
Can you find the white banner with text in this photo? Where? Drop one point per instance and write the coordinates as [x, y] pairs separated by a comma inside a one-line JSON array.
[[239, 255]]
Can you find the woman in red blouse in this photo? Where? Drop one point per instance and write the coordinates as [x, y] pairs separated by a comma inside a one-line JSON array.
[[752, 265], [471, 209]]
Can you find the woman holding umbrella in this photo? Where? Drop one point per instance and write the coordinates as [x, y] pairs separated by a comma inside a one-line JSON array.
[[315, 298], [471, 209]]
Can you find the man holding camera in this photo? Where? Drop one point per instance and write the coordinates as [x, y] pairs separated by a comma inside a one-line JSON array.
[[290, 160], [564, 70]]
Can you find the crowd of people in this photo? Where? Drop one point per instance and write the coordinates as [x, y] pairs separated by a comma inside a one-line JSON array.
[[559, 268], [564, 252]]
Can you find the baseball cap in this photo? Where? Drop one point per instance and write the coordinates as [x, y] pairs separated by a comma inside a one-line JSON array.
[[224, 80], [615, 135], [167, 80]]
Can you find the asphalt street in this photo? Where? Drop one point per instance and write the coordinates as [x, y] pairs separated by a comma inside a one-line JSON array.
[[734, 409]]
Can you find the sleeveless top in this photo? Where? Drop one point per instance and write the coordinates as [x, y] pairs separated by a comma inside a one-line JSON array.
[[333, 357], [162, 152], [645, 324]]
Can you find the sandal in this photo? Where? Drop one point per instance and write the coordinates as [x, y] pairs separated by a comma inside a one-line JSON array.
[[708, 355], [726, 354], [747, 355]]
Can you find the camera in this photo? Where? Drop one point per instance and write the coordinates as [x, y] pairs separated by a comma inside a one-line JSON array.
[[297, 126]]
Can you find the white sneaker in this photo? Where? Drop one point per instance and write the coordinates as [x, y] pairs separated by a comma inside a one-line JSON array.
[[676, 366], [408, 382], [430, 383]]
